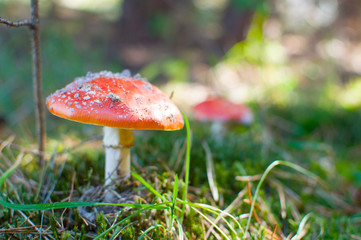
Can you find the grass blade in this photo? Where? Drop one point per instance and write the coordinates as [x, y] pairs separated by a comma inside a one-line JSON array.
[[135, 213], [147, 185], [174, 199], [10, 171], [175, 192], [46, 206], [59, 205], [212, 223], [184, 197], [264, 175], [149, 229], [301, 228], [180, 230], [216, 211]]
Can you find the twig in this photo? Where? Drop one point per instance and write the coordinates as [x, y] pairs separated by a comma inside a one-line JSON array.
[[33, 25], [24, 23], [37, 86], [16, 230], [21, 224]]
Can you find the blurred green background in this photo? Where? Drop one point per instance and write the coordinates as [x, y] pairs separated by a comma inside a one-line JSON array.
[[296, 54], [296, 63]]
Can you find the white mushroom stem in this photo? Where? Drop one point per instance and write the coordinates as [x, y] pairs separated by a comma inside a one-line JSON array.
[[218, 131], [117, 143]]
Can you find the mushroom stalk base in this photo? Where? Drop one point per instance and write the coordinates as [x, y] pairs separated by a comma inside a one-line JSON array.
[[117, 143]]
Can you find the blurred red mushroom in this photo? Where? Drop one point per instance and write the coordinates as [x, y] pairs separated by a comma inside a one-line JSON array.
[[119, 102], [221, 110]]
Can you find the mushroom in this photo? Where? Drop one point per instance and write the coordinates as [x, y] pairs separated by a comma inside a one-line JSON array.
[[222, 110], [119, 102], [219, 111]]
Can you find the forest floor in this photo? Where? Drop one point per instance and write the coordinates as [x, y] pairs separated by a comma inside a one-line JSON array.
[[312, 194]]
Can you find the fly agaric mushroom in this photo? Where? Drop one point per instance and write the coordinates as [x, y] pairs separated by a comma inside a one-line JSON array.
[[119, 102], [220, 111]]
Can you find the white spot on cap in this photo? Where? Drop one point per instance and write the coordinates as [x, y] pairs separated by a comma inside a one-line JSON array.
[[147, 86], [126, 73], [138, 77], [114, 97]]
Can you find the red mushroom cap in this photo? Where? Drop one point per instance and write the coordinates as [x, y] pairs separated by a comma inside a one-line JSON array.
[[116, 100], [219, 109]]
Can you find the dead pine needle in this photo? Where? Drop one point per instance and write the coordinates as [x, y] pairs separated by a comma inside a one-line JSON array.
[[250, 202], [274, 232], [211, 173]]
